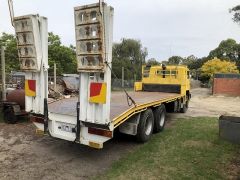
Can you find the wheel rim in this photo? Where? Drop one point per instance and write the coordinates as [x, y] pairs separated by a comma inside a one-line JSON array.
[[148, 126], [162, 119]]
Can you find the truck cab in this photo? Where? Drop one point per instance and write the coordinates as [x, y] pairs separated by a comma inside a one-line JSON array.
[[171, 79]]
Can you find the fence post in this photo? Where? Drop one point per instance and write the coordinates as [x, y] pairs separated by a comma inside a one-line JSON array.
[[123, 77], [55, 77], [3, 74]]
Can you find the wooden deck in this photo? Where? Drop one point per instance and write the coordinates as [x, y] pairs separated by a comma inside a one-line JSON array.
[[119, 103]]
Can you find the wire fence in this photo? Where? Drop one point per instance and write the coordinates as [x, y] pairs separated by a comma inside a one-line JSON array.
[[15, 79], [118, 84]]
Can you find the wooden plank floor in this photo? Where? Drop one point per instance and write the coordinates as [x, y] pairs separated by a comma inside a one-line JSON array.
[[118, 102]]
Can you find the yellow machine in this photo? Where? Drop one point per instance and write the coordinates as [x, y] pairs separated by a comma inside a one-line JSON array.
[[172, 79]]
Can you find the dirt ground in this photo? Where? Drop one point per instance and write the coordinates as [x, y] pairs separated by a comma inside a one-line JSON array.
[[204, 104], [24, 155]]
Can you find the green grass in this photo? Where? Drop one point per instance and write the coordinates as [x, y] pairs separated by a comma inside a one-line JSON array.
[[189, 149]]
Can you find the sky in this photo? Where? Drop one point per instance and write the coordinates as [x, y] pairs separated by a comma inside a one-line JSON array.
[[165, 27]]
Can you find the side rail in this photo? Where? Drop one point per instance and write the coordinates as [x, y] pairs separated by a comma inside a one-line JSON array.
[[144, 120]]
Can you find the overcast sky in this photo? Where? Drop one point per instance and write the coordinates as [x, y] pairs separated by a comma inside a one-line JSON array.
[[165, 27]]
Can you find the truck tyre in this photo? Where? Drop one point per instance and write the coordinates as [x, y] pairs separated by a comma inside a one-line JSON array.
[[9, 116], [185, 107], [159, 118], [145, 126]]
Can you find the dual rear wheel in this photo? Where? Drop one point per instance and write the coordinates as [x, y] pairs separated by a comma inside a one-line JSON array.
[[151, 121]]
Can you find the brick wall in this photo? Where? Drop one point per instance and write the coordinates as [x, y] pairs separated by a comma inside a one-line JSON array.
[[226, 86]]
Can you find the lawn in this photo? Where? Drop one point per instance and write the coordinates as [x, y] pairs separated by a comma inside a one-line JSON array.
[[188, 149]]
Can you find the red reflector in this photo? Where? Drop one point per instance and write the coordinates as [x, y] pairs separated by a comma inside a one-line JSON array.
[[100, 132]]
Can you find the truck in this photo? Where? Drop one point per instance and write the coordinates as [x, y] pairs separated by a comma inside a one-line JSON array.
[[160, 91], [92, 118]]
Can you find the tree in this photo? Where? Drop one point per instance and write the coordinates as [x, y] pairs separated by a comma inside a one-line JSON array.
[[63, 56], [218, 66], [229, 50], [53, 40], [189, 61], [175, 60], [236, 13], [194, 64], [153, 62], [164, 62], [130, 54], [11, 52]]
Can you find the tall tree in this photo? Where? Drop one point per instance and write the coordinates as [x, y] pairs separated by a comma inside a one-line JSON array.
[[11, 52], [175, 60], [153, 62], [194, 63], [236, 13], [228, 49], [131, 55], [190, 61], [63, 56]]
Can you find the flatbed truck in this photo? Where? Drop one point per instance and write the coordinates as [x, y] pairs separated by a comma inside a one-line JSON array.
[[159, 92], [93, 116]]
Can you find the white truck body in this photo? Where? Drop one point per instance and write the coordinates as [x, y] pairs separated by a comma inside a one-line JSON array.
[[91, 118], [99, 19], [32, 36]]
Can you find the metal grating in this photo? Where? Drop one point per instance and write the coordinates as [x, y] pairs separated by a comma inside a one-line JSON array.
[[90, 38], [26, 42]]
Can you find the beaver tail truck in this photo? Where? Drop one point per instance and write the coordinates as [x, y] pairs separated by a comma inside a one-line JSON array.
[[92, 118]]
